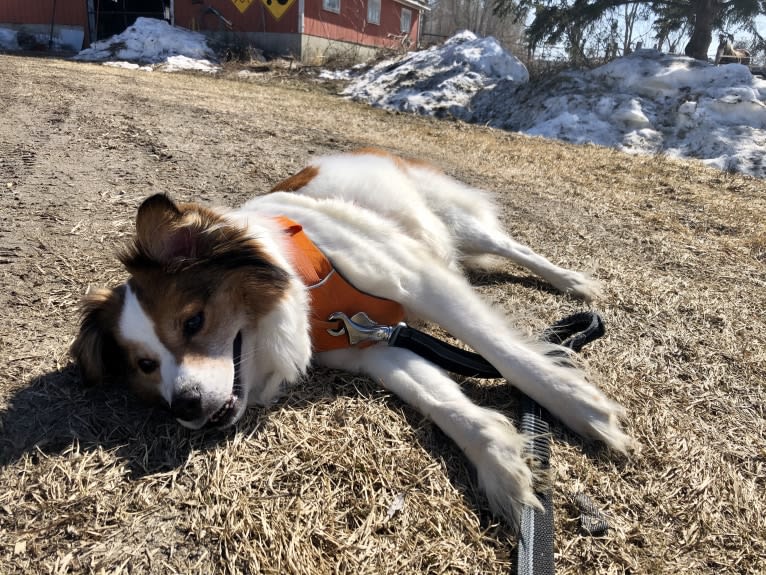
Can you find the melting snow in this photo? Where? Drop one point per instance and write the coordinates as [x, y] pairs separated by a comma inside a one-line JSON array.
[[647, 102], [155, 44], [440, 80]]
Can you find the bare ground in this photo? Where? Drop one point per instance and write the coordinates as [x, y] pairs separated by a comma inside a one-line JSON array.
[[91, 482]]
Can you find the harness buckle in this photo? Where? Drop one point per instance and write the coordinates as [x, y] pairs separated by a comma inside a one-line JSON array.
[[360, 328]]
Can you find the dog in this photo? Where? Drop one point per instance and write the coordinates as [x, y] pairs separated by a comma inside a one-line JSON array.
[[217, 314]]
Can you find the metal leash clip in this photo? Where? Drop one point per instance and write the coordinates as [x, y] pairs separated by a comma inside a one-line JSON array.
[[360, 328]]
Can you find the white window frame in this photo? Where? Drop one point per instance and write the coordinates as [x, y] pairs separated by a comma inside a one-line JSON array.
[[331, 6], [373, 12], [402, 28]]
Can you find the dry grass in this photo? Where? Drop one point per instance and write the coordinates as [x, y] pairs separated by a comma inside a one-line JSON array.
[[91, 482]]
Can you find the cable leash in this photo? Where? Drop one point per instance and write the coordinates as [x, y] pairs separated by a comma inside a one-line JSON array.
[[536, 536]]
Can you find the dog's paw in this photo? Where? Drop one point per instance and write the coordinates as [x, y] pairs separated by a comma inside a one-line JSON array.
[[590, 413], [502, 471], [567, 394], [270, 392], [602, 422], [577, 284]]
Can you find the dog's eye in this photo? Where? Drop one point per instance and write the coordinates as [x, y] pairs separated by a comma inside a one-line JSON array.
[[147, 365], [193, 324]]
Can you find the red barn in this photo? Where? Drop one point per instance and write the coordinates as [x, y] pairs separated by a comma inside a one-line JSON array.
[[311, 30]]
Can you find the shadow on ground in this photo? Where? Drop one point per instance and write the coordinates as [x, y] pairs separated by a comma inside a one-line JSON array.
[[55, 410]]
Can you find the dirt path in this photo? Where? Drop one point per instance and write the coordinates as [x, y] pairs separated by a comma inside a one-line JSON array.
[[92, 482]]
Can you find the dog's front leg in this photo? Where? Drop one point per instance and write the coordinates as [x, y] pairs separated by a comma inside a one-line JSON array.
[[446, 298], [488, 439]]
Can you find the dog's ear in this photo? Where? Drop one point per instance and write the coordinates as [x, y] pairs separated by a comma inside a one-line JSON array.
[[160, 232], [95, 349], [167, 232]]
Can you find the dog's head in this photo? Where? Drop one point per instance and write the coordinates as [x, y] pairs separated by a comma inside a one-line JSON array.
[[174, 332]]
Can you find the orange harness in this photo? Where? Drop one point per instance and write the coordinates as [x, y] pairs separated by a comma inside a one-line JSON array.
[[330, 292]]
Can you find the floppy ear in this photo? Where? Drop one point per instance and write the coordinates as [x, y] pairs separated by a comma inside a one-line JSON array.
[[167, 232], [95, 349], [159, 231]]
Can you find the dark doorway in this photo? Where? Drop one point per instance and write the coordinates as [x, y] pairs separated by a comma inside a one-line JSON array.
[[114, 16]]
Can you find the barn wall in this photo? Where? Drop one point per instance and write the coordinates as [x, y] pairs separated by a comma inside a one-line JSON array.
[[254, 19], [324, 32], [316, 50], [351, 24], [70, 20], [68, 12]]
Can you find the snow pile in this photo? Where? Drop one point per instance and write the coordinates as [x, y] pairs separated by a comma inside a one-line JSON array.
[[155, 42], [129, 66], [41, 38], [8, 39], [647, 102], [441, 80]]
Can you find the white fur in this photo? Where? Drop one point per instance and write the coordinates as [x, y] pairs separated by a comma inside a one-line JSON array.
[[136, 327], [279, 351], [400, 234]]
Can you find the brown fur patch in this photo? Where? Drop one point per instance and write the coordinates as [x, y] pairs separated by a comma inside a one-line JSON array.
[[95, 349], [187, 258], [229, 299], [298, 181]]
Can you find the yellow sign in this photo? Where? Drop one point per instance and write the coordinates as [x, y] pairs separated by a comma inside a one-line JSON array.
[[242, 5], [277, 8]]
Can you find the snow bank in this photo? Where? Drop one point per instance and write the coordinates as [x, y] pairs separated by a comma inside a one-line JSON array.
[[8, 39], [154, 42], [441, 80], [647, 102]]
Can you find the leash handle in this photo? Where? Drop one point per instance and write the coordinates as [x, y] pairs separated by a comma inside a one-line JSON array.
[[536, 530], [536, 535], [576, 330]]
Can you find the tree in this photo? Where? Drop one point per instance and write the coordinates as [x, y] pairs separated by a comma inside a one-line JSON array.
[[449, 16], [553, 18], [631, 14]]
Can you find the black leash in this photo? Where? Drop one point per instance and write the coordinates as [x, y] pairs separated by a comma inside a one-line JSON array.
[[536, 534], [535, 550], [573, 331], [534, 555]]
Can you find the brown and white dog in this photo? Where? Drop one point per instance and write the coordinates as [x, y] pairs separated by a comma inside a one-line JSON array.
[[216, 314]]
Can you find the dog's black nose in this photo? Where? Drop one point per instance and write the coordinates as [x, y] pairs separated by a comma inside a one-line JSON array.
[[187, 404]]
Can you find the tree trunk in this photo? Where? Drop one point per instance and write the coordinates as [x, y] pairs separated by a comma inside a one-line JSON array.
[[630, 15], [705, 12]]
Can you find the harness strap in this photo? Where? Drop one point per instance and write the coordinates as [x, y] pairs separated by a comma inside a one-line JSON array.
[[330, 292]]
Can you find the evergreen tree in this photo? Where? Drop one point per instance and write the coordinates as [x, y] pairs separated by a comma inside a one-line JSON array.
[[554, 18]]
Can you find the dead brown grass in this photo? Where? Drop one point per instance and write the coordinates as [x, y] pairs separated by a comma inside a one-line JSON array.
[[341, 477]]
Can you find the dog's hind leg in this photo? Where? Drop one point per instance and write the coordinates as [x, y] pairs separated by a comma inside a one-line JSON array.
[[477, 239], [488, 439], [471, 217]]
